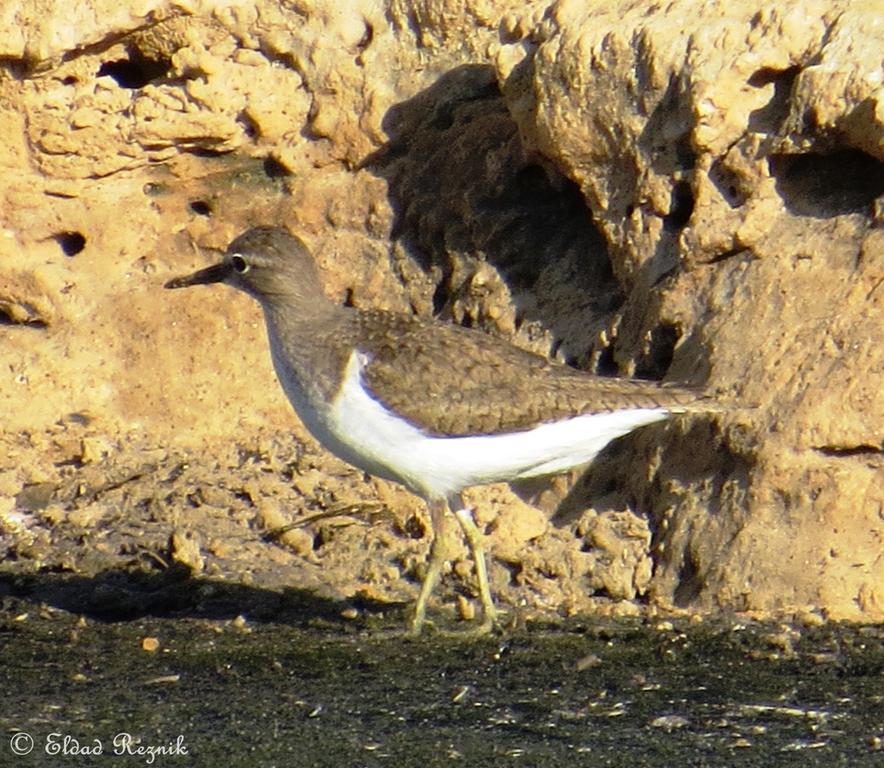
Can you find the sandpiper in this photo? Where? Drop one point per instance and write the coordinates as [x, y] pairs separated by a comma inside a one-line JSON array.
[[431, 405]]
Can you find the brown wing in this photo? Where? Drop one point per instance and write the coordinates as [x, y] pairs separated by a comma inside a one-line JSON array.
[[464, 382]]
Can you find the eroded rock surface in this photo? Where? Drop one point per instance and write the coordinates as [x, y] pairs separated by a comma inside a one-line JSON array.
[[691, 193]]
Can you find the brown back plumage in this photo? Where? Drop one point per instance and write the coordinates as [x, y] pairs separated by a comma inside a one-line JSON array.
[[462, 382]]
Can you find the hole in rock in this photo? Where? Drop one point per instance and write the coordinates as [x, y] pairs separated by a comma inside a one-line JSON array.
[[689, 582], [827, 185], [205, 151], [274, 169], [200, 207], [681, 206], [606, 365], [135, 72], [71, 243], [460, 182], [441, 296], [847, 451], [414, 528], [729, 185], [249, 126], [7, 317], [661, 348]]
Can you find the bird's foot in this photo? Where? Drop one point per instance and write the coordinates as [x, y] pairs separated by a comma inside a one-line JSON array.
[[489, 624]]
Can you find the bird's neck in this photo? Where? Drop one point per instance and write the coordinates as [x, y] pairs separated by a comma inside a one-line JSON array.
[[294, 308], [305, 323], [305, 342]]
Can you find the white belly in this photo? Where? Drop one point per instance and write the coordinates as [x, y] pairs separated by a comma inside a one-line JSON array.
[[360, 430]]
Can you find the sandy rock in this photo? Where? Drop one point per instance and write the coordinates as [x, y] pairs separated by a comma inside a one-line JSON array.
[[690, 192], [185, 548], [721, 142]]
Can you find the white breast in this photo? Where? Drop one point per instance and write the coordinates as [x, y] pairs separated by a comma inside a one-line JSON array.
[[364, 433]]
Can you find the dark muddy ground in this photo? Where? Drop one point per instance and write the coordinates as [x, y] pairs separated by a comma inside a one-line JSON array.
[[142, 594], [238, 676]]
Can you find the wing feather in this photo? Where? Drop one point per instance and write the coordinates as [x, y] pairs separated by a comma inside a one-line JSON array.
[[464, 382]]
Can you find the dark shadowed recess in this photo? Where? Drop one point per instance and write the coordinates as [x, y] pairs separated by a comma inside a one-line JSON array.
[[136, 71], [71, 243], [461, 182], [823, 185]]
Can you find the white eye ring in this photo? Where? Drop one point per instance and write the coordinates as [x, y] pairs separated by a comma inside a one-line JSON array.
[[239, 263]]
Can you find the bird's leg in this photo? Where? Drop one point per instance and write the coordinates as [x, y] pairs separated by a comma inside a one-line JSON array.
[[477, 548], [438, 556]]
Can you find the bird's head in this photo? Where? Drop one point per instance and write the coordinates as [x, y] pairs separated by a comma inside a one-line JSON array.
[[268, 263]]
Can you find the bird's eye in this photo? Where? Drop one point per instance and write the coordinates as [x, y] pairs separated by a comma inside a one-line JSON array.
[[239, 264]]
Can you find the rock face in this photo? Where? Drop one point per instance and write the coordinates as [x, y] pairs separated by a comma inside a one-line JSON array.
[[690, 192]]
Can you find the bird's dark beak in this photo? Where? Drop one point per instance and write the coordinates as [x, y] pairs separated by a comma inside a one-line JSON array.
[[217, 273]]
